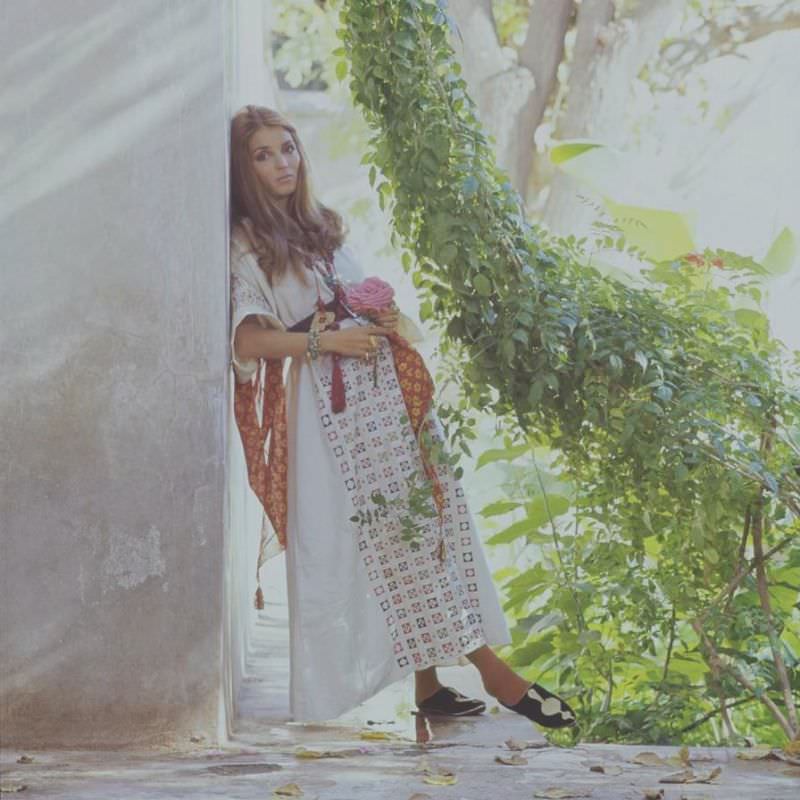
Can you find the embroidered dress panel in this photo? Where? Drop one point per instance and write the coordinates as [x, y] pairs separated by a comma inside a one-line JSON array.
[[431, 609]]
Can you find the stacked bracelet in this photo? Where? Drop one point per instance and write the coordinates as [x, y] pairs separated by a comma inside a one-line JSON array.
[[313, 343]]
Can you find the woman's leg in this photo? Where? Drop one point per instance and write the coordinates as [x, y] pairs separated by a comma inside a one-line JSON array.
[[499, 680], [426, 684], [529, 699]]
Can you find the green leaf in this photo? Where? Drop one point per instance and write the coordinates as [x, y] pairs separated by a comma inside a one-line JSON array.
[[781, 256], [662, 234], [483, 286], [541, 508], [566, 150], [527, 655], [502, 454], [499, 507], [752, 320], [512, 532], [341, 70]]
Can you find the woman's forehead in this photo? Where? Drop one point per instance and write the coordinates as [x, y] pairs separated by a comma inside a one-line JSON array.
[[272, 137]]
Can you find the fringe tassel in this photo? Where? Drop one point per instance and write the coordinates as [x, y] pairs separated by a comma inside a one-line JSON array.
[[338, 402], [259, 599], [442, 551]]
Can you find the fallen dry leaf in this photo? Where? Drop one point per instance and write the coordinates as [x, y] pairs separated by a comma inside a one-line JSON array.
[[755, 754], [25, 760], [303, 752], [516, 744], [288, 790], [435, 775], [377, 735], [711, 776], [761, 753], [792, 748], [689, 776], [514, 760], [9, 788], [653, 794], [557, 793], [494, 710], [684, 776], [648, 759], [606, 770], [440, 779]]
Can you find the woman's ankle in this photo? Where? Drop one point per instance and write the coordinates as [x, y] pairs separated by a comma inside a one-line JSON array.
[[502, 683], [426, 684]]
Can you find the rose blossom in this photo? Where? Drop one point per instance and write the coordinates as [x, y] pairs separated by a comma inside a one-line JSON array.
[[370, 296]]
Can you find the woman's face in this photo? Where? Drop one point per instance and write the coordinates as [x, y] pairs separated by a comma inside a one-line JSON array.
[[275, 160]]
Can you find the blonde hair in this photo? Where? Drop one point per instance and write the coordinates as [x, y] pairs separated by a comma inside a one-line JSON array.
[[297, 236]]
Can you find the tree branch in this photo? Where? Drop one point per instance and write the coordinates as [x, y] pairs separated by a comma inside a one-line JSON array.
[[725, 37], [741, 575], [763, 593], [716, 662]]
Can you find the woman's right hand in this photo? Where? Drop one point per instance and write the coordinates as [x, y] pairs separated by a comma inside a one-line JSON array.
[[358, 341]]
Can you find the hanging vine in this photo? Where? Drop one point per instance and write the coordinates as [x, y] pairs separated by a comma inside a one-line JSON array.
[[673, 415]]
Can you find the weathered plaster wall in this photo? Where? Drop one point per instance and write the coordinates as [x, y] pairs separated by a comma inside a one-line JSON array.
[[249, 81], [113, 363]]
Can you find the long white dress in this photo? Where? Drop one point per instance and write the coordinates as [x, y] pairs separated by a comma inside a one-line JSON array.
[[364, 608]]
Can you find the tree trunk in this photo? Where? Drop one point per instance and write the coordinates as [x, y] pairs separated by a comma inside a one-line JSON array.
[[541, 53], [500, 88], [609, 54]]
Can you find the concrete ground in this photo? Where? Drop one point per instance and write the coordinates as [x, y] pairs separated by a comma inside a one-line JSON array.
[[383, 750]]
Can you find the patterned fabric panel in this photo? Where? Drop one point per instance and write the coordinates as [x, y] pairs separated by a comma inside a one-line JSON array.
[[431, 609]]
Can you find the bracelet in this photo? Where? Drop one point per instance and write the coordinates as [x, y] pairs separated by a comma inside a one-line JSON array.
[[313, 343]]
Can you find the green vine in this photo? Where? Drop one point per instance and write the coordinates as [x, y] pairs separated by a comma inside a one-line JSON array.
[[670, 409]]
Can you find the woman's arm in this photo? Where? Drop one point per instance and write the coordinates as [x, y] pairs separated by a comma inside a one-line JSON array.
[[254, 341]]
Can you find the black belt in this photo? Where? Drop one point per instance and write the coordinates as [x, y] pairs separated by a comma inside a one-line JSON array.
[[304, 326]]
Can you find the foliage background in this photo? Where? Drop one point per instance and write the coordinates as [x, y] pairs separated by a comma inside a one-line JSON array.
[[600, 592]]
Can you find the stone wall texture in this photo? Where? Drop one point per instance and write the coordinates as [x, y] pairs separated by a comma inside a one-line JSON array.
[[113, 370]]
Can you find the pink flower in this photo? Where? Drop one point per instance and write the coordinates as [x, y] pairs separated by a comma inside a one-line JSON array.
[[718, 262], [370, 296], [695, 258]]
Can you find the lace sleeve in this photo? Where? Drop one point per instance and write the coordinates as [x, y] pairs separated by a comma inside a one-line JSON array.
[[248, 298]]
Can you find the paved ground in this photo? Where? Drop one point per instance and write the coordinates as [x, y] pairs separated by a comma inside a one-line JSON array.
[[382, 750]]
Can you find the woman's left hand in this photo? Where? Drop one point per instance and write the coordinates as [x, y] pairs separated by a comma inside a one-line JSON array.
[[388, 318]]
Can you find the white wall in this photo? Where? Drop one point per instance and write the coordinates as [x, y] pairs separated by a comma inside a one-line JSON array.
[[113, 370]]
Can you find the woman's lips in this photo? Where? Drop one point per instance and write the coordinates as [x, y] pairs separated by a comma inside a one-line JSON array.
[[284, 178]]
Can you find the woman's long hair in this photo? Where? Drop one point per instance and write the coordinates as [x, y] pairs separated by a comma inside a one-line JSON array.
[[280, 239]]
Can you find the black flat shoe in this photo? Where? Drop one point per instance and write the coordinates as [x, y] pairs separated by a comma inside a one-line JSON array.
[[447, 702], [544, 708]]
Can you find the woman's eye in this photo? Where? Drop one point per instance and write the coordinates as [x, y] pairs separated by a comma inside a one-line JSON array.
[[290, 148]]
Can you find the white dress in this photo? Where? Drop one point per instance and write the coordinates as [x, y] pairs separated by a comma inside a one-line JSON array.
[[364, 608]]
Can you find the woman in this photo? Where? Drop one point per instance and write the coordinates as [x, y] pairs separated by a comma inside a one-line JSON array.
[[377, 587]]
